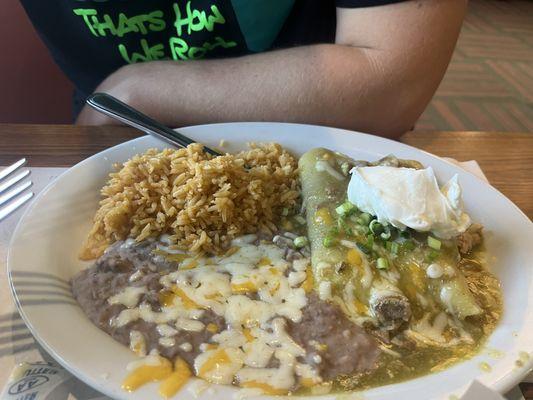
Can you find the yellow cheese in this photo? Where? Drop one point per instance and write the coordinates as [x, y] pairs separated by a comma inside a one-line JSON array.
[[166, 298], [220, 357], [147, 373], [171, 385], [188, 303], [191, 265], [410, 291], [418, 276], [211, 327], [137, 348], [265, 387], [308, 382], [360, 307], [274, 288], [323, 216], [244, 287], [353, 258], [213, 296], [247, 334], [264, 261], [321, 346], [309, 281], [287, 225]]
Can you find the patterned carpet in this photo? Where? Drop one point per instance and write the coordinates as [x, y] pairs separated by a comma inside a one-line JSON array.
[[489, 84]]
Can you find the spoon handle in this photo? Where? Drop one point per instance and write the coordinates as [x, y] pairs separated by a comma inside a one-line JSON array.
[[122, 112]]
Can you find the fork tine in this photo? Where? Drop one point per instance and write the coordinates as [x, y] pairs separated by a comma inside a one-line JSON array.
[[14, 205], [12, 168], [15, 192], [17, 178]]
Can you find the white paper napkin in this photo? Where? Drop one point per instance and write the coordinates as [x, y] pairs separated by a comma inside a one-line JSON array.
[[471, 166]]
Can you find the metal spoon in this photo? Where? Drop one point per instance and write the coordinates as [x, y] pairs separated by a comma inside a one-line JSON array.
[[120, 111]]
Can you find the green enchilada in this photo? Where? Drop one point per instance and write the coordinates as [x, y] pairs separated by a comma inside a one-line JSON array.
[[410, 288]]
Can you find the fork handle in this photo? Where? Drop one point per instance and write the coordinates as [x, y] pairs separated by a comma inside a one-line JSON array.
[[114, 108]]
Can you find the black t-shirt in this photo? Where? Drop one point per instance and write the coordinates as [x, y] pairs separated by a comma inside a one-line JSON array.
[[90, 39]]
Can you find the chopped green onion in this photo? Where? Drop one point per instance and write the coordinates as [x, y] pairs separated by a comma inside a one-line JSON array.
[[341, 224], [432, 256], [363, 248], [382, 263], [388, 246], [330, 238], [375, 227], [370, 241], [394, 247], [328, 241], [385, 235], [285, 212], [365, 218], [345, 168], [345, 208], [405, 234], [347, 230], [434, 243], [300, 241], [363, 230], [300, 219], [408, 245]]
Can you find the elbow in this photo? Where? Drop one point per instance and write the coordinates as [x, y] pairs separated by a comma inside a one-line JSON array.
[[390, 120], [389, 107], [398, 110], [392, 126], [401, 115], [400, 105], [394, 99]]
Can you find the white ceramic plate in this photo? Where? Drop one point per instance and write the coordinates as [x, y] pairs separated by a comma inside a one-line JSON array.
[[43, 257]]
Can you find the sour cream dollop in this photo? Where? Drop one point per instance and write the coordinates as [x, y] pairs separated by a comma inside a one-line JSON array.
[[406, 197]]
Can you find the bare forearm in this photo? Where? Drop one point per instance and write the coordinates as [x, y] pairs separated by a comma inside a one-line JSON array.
[[325, 84], [377, 78]]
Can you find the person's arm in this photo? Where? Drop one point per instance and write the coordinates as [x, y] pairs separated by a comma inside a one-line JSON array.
[[378, 77]]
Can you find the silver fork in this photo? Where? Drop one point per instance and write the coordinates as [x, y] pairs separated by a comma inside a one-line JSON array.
[[11, 188]]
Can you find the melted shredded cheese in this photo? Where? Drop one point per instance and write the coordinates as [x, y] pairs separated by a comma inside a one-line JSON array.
[[324, 290], [324, 166], [128, 297], [137, 343], [166, 330], [167, 341], [255, 290]]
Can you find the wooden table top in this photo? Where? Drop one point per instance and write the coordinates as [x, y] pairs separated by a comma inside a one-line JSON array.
[[506, 158]]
